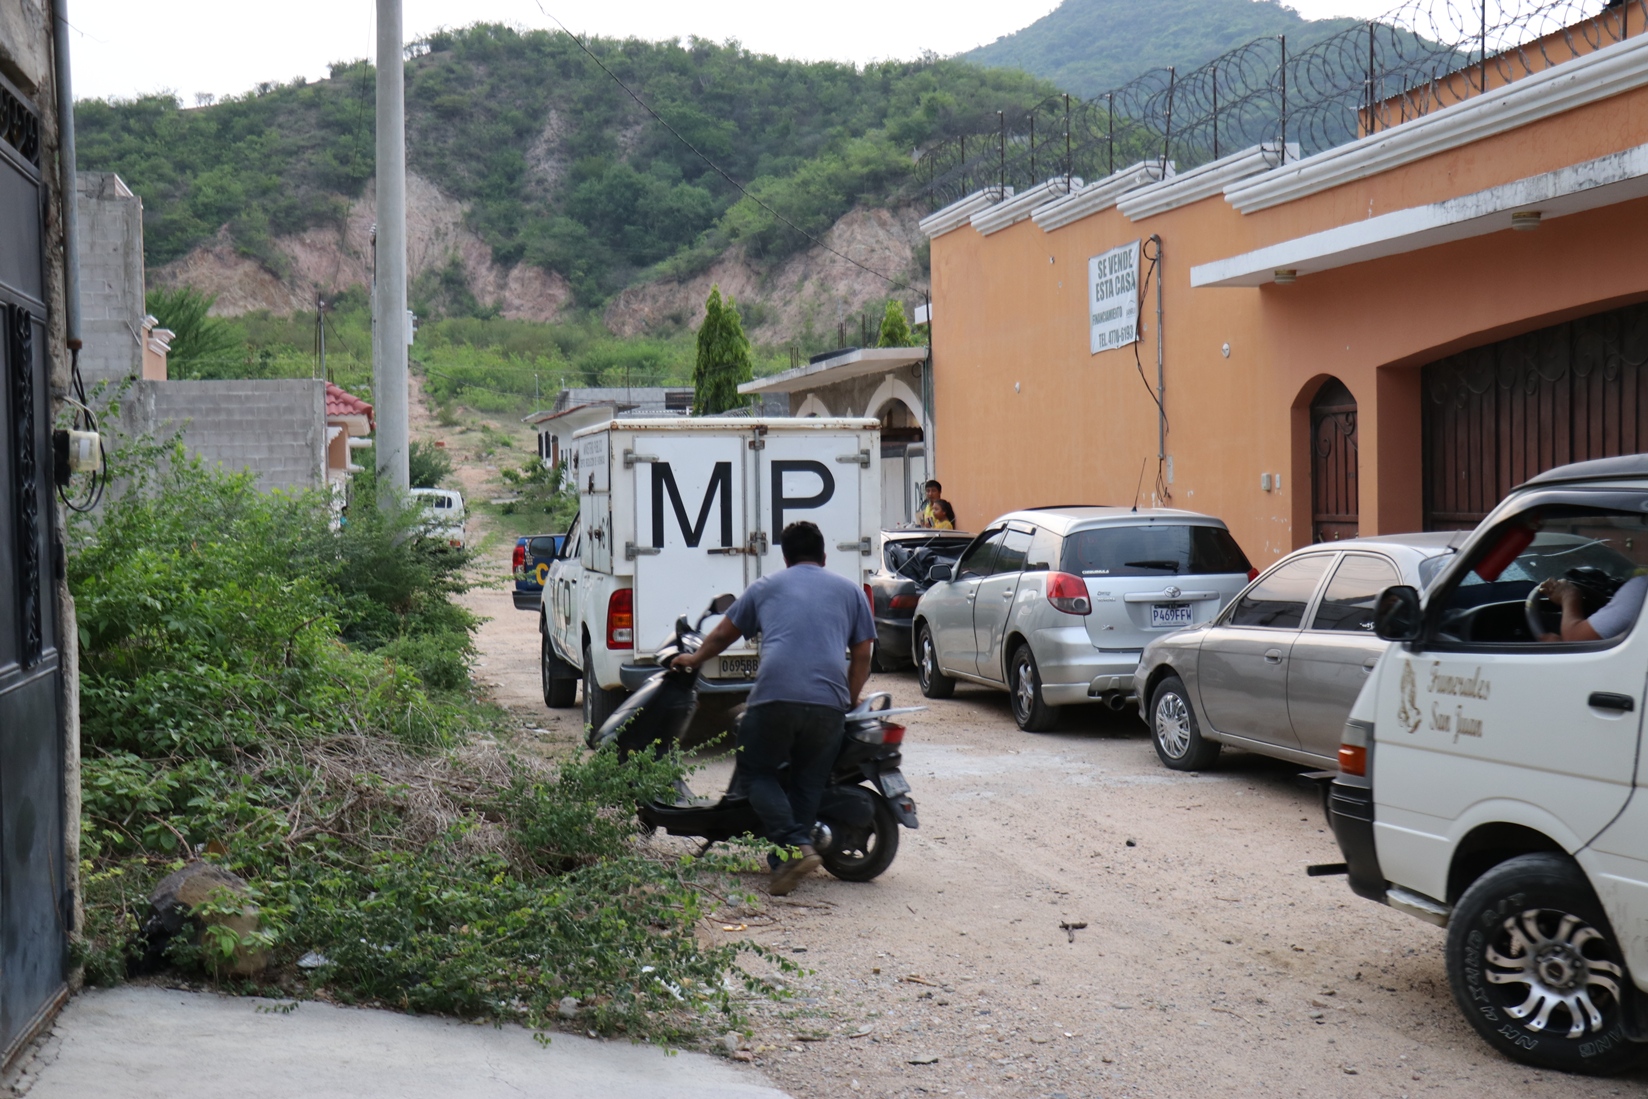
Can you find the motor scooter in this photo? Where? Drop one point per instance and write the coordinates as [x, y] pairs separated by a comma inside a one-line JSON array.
[[865, 801]]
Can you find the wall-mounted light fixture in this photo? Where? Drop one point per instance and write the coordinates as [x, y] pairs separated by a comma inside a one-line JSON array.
[[1285, 275], [1525, 220]]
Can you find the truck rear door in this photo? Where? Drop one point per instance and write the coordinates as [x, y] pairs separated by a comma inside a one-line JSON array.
[[823, 477], [690, 528]]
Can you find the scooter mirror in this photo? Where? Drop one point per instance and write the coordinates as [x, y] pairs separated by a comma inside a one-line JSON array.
[[722, 603]]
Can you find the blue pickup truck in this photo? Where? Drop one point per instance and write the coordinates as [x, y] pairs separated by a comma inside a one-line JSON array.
[[533, 553]]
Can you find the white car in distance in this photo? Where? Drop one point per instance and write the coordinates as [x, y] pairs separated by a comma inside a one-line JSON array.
[[445, 507]]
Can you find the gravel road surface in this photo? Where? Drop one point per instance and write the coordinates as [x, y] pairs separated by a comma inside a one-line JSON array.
[[1210, 965]]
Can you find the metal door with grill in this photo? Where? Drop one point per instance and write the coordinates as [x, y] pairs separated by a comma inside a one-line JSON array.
[[1496, 415], [1334, 507], [33, 900]]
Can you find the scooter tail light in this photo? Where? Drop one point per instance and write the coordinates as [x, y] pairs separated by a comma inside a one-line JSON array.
[[621, 619], [892, 734], [1353, 760], [1068, 593]]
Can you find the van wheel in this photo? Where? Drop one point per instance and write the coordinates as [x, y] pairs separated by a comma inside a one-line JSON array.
[[1535, 967], [598, 701], [560, 681], [1173, 729], [934, 683], [1030, 710]]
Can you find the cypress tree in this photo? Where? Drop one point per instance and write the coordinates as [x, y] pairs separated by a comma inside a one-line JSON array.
[[723, 358], [895, 331]]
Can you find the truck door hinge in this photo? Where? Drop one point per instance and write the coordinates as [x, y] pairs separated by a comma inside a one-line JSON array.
[[862, 458], [862, 546], [630, 458], [758, 443], [632, 551]]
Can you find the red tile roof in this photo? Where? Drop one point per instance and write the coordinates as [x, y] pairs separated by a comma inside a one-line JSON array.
[[340, 402]]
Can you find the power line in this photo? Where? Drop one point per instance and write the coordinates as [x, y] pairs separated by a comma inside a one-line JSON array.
[[716, 168]]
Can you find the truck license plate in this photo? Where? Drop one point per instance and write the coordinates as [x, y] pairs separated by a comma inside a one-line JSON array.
[[893, 783], [1170, 614], [739, 667]]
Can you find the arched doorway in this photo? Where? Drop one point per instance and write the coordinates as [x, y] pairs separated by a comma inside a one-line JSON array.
[[1333, 495], [903, 463]]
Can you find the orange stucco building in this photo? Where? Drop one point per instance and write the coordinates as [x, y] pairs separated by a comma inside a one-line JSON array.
[[1462, 297]]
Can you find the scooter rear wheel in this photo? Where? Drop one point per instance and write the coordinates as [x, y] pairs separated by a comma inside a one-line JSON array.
[[862, 854]]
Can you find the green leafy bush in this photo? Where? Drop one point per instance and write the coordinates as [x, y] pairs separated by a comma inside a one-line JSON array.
[[291, 697]]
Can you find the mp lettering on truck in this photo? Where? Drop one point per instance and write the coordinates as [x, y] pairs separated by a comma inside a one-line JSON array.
[[782, 503], [663, 482]]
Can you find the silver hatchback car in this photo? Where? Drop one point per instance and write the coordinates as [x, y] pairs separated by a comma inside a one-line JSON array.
[[1279, 670], [1055, 605]]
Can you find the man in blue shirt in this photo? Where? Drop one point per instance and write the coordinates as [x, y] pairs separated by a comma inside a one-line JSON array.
[[816, 635]]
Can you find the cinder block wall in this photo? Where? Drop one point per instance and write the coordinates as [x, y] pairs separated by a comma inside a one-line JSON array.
[[275, 428], [111, 278]]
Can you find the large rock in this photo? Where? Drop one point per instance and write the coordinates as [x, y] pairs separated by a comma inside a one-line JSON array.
[[174, 902]]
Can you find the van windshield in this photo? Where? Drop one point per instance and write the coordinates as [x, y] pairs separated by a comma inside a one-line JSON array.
[[1155, 549]]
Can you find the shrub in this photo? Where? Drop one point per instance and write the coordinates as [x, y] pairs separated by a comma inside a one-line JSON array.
[[293, 701]]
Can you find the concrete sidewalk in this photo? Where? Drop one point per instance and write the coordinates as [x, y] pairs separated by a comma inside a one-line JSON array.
[[152, 1043]]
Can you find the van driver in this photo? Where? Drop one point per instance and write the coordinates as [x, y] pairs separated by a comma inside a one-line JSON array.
[[1612, 620]]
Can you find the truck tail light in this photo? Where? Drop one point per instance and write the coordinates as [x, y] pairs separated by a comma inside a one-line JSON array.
[[905, 602], [1068, 593], [1353, 760], [870, 597], [621, 619], [517, 564]]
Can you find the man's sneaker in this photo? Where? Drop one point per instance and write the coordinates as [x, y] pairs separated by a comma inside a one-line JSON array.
[[788, 875]]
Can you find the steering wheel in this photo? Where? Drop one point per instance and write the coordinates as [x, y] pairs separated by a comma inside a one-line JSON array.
[[1531, 609]]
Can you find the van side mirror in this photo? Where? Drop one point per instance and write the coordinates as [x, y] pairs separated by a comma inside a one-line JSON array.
[[940, 572], [1397, 616]]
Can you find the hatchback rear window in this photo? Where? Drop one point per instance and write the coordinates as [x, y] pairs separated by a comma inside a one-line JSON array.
[[1157, 549]]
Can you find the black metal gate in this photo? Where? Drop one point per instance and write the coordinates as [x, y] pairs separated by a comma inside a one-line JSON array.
[[1496, 415], [1334, 497], [34, 904]]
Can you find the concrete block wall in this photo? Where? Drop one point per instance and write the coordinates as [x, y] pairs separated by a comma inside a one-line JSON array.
[[276, 428], [111, 278]]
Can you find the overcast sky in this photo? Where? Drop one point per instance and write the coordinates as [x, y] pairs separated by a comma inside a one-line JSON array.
[[123, 48]]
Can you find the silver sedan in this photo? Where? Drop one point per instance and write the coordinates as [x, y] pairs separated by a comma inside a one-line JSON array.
[[1278, 670]]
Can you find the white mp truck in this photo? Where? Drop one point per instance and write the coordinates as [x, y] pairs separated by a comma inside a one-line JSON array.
[[675, 512]]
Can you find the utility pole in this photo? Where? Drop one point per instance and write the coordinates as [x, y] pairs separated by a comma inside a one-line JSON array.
[[391, 331]]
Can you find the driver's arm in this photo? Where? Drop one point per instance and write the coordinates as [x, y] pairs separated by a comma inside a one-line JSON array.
[[858, 668], [1575, 626], [724, 634]]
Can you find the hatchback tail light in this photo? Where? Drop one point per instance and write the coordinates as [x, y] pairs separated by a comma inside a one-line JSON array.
[[1068, 593], [621, 619], [904, 602], [517, 564]]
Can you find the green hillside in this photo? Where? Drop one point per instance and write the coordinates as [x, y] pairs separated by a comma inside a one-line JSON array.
[[1090, 46], [560, 167]]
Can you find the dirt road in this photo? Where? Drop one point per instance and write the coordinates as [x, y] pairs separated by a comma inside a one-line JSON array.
[[1210, 964]]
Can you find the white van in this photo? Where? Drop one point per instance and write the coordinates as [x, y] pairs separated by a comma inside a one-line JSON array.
[[445, 508], [1491, 774], [674, 512]]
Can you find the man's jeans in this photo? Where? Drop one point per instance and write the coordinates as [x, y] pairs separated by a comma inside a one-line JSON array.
[[805, 736]]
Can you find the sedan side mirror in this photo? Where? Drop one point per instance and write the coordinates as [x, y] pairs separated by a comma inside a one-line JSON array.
[[940, 572], [1398, 617]]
